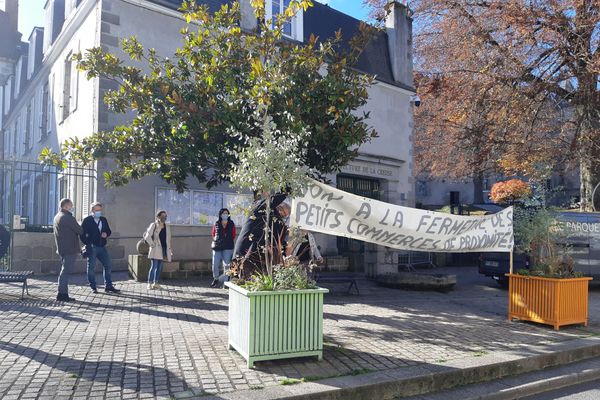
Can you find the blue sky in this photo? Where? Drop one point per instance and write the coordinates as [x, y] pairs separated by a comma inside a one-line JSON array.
[[31, 12]]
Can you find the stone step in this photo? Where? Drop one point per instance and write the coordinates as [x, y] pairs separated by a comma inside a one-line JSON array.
[[521, 386], [426, 379]]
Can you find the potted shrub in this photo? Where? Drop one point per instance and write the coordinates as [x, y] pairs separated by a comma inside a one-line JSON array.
[[550, 292], [276, 311], [276, 316]]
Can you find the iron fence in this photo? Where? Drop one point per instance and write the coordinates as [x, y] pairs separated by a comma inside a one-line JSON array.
[[30, 194]]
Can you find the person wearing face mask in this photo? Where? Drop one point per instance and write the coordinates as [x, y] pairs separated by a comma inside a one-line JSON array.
[[158, 237], [95, 235], [66, 235], [223, 235]]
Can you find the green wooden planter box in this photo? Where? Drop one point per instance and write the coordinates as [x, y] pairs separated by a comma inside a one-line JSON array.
[[275, 325]]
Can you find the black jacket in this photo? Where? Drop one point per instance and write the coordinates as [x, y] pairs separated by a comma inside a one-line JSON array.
[[91, 234], [252, 236], [66, 234], [223, 238]]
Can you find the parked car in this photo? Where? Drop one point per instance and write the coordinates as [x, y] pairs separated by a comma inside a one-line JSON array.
[[497, 265], [583, 243]]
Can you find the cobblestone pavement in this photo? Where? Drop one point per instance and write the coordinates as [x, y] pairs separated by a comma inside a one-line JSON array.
[[173, 343]]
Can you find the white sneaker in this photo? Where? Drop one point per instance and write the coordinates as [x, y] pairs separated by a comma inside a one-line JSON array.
[[149, 286], [156, 286]]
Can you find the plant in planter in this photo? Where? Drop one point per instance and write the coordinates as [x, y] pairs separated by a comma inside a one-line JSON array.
[[277, 312], [551, 291]]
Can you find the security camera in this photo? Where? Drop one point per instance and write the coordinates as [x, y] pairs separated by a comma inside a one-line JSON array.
[[416, 100]]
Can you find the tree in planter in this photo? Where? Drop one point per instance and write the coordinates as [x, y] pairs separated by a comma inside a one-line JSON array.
[[269, 164], [540, 233], [192, 108]]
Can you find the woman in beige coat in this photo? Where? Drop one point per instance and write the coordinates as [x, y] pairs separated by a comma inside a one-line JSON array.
[[158, 237]]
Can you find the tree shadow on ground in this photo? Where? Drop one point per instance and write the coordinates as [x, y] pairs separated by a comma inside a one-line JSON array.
[[148, 310], [38, 309], [195, 304], [85, 370]]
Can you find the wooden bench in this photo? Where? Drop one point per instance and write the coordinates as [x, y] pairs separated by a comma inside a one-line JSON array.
[[340, 279], [20, 276]]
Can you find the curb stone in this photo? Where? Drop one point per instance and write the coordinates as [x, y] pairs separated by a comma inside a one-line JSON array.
[[428, 378], [525, 385]]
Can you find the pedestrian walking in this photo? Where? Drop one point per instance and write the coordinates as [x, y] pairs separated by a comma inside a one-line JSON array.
[[66, 234], [158, 237], [96, 232], [223, 235]]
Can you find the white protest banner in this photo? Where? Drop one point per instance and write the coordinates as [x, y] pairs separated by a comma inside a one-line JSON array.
[[325, 209]]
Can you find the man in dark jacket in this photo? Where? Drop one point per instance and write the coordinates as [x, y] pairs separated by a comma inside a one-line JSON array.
[[66, 235], [249, 247], [95, 234]]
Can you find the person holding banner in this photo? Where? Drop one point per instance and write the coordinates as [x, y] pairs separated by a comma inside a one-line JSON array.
[[250, 245], [306, 249]]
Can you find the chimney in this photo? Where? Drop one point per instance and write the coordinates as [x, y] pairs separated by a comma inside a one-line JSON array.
[[10, 38], [11, 7], [398, 24], [54, 17]]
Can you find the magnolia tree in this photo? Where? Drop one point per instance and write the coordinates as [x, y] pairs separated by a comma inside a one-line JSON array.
[[190, 109]]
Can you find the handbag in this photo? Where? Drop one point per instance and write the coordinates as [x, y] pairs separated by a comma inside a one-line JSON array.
[[143, 245]]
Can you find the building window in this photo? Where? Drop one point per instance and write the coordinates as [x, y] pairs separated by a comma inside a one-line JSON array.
[[198, 207], [293, 27], [66, 105], [15, 138], [422, 188], [28, 122], [42, 200], [25, 201], [45, 112], [70, 87]]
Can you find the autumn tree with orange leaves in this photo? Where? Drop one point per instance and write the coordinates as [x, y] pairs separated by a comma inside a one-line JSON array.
[[536, 66]]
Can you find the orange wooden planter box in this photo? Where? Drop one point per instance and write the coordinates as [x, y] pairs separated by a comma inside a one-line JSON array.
[[549, 301]]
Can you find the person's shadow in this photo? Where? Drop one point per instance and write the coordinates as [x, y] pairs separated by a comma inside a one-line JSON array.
[[81, 368]]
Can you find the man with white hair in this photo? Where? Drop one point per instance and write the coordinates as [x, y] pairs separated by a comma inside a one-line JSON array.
[[95, 234]]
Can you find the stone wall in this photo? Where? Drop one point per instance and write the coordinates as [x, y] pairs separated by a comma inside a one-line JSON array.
[[34, 251]]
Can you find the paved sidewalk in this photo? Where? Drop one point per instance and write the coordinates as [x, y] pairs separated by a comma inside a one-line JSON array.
[[173, 343]]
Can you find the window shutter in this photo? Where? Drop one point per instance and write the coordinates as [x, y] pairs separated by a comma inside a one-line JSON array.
[[85, 195], [74, 84]]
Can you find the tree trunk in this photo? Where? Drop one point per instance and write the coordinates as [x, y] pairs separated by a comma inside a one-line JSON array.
[[589, 173], [478, 188]]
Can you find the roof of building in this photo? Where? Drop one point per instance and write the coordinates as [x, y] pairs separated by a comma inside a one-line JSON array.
[[323, 21], [175, 4]]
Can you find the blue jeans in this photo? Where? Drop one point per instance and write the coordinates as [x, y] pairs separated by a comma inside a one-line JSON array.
[[155, 269], [221, 257], [100, 253]]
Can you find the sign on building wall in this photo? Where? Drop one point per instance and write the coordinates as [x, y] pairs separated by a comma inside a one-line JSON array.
[[325, 209], [372, 170]]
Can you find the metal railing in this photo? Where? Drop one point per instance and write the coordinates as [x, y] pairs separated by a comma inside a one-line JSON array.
[[30, 194], [410, 259]]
